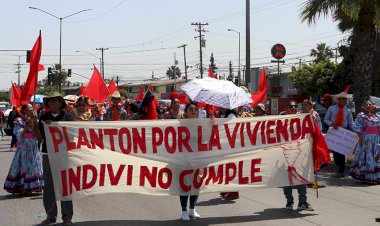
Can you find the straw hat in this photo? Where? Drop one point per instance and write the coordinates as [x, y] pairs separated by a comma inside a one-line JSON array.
[[340, 95]]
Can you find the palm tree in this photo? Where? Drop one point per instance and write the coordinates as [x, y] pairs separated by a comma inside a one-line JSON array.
[[173, 72], [364, 17], [322, 53]]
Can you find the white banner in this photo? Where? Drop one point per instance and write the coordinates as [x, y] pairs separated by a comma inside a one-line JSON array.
[[173, 157], [341, 140]]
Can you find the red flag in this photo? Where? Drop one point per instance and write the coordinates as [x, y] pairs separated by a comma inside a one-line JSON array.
[[347, 89], [15, 99], [149, 106], [41, 67], [155, 101], [261, 94], [321, 152], [210, 73], [140, 96], [112, 87], [211, 109], [97, 88], [30, 86], [180, 96], [82, 90]]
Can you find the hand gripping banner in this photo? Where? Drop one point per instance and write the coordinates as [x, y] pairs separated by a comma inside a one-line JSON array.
[[179, 157]]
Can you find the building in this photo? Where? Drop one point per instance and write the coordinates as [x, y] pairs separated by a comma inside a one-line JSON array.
[[161, 88], [281, 89]]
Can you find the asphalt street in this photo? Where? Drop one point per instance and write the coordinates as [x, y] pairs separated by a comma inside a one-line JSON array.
[[343, 201]]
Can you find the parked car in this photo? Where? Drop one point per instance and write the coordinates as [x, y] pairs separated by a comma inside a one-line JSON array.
[[6, 108], [351, 103]]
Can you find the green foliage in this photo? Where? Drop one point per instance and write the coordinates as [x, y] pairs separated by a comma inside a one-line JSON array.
[[123, 93], [4, 96], [47, 91], [173, 72], [322, 53], [310, 78]]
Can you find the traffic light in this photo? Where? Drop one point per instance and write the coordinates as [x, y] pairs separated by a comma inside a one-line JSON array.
[[28, 52], [68, 72], [236, 81]]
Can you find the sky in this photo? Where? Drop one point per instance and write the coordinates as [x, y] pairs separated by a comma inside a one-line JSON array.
[[143, 36]]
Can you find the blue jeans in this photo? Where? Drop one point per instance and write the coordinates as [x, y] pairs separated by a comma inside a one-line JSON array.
[[301, 193]]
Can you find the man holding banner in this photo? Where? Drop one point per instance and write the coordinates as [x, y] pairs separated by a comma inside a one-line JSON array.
[[301, 188], [56, 103], [337, 116]]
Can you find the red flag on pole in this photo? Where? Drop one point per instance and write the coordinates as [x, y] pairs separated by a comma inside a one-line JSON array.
[[140, 96], [82, 90], [112, 87], [155, 101], [41, 67], [210, 74], [347, 89], [30, 86], [149, 106], [97, 88], [15, 99], [261, 94], [321, 152]]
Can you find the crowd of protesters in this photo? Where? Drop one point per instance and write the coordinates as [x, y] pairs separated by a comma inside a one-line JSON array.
[[28, 174]]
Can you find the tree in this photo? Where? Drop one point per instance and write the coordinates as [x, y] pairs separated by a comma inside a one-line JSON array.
[[322, 53], [173, 72], [54, 79], [124, 93], [212, 63], [309, 79], [364, 15]]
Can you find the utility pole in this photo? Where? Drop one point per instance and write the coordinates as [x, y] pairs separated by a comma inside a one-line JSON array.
[[117, 81], [247, 45], [18, 71], [184, 57], [201, 43], [102, 50], [299, 67]]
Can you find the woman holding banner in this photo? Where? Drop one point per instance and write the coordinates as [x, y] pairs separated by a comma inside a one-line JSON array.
[[367, 153], [25, 174], [82, 111], [191, 111]]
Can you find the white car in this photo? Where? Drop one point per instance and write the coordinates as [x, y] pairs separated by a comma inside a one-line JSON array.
[[6, 108]]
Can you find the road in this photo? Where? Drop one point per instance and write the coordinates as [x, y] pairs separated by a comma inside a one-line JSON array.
[[342, 202]]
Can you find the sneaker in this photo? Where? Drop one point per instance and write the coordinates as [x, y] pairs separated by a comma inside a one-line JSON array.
[[185, 216], [194, 214], [305, 206], [289, 205]]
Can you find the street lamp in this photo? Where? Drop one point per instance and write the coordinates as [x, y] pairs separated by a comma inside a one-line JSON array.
[[100, 59], [239, 54], [60, 37]]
